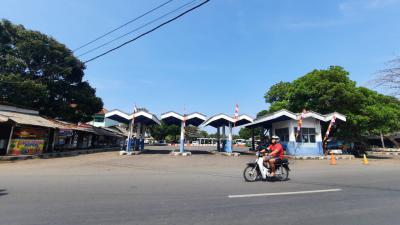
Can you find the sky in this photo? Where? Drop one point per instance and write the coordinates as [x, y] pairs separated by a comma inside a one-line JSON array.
[[225, 53]]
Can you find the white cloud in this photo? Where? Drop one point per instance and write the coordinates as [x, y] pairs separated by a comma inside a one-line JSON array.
[[351, 11], [353, 6], [314, 24]]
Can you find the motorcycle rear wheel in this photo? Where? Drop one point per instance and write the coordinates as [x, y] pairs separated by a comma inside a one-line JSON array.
[[250, 173], [284, 174]]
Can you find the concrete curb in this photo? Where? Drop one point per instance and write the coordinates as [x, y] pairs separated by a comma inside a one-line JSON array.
[[55, 154], [181, 153], [232, 154], [341, 157], [385, 150], [131, 153], [384, 153]]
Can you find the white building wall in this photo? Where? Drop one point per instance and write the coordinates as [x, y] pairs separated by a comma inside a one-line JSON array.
[[106, 123], [291, 124]]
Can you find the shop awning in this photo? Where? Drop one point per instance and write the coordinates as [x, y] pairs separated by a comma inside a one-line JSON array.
[[27, 119], [114, 131], [3, 119], [104, 132]]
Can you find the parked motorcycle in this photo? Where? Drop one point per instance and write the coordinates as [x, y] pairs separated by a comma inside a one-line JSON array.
[[256, 170]]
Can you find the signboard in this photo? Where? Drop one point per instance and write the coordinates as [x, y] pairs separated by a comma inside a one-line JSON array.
[[65, 133], [27, 132], [27, 146]]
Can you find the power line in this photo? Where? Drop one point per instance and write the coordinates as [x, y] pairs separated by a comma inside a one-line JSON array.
[[127, 23], [132, 31], [111, 50], [147, 32], [123, 25]]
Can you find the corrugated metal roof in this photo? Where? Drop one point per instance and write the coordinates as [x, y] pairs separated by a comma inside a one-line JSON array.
[[3, 119], [36, 120], [115, 131], [28, 119]]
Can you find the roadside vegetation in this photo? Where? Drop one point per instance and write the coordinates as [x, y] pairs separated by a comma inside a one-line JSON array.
[[328, 90], [36, 71]]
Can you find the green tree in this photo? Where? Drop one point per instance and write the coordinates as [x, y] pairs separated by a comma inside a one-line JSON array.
[[245, 133], [158, 132], [262, 113], [278, 92], [192, 133], [203, 134], [165, 132], [38, 72], [330, 90]]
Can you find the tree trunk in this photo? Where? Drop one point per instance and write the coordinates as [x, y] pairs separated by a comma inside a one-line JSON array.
[[382, 141], [394, 142]]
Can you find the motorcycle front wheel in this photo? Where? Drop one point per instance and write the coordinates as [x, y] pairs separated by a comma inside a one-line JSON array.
[[250, 173]]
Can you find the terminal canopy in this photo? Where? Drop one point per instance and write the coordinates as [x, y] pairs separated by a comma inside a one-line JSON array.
[[173, 118], [118, 116], [284, 115], [243, 120], [140, 117], [221, 120]]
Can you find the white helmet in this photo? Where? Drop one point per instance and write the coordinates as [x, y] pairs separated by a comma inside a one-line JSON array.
[[275, 137]]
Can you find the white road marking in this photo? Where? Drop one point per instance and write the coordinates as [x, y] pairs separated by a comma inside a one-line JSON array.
[[283, 193]]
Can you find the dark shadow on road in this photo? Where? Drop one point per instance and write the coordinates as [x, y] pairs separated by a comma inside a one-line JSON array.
[[200, 152], [378, 157], [3, 192], [154, 152]]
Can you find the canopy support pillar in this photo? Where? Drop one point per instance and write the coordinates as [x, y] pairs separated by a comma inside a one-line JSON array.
[[142, 136], [9, 139], [253, 141], [223, 138], [137, 135], [219, 139], [182, 138], [228, 145]]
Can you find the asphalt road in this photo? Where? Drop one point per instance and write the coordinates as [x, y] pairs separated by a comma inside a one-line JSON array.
[[106, 188]]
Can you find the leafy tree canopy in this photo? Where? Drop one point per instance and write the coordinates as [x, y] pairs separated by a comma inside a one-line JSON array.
[[245, 133], [330, 90], [38, 72]]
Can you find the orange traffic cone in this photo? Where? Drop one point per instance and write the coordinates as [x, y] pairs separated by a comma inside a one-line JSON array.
[[333, 160], [365, 160]]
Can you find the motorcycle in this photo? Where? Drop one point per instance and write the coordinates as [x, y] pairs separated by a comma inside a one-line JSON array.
[[256, 170]]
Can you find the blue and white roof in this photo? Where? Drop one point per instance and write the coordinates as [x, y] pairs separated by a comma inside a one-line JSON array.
[[194, 119], [284, 114], [220, 120], [141, 117]]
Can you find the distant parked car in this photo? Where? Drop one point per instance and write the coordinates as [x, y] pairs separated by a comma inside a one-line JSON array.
[[160, 143], [359, 149], [195, 142]]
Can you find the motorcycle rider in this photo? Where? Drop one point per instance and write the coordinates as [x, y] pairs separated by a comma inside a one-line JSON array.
[[275, 155]]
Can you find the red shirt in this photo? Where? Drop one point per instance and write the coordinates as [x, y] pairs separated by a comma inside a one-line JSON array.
[[277, 146]]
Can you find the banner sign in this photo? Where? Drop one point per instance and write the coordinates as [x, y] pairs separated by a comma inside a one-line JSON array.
[[26, 132], [27, 146], [333, 120], [65, 133], [300, 122]]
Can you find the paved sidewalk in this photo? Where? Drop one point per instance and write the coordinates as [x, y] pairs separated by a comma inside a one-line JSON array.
[[57, 154]]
